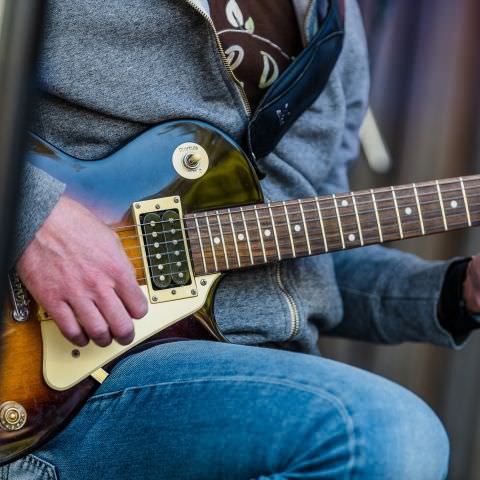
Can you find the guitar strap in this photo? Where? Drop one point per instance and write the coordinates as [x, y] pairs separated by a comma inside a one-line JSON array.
[[298, 87]]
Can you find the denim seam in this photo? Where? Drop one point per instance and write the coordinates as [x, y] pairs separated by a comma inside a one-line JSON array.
[[228, 81], [44, 466], [4, 471], [326, 395]]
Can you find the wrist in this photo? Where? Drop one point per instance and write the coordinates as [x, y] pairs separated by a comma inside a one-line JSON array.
[[453, 313]]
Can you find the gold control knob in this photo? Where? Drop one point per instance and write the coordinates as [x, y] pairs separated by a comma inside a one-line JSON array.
[[12, 416], [192, 160]]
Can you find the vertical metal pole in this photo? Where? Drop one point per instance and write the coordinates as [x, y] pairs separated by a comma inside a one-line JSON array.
[[19, 38]]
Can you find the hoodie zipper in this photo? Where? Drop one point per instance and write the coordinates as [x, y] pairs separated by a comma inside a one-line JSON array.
[[238, 84], [307, 17], [246, 104], [291, 304]]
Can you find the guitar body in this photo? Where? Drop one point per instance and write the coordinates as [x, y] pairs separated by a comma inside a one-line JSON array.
[[43, 389]]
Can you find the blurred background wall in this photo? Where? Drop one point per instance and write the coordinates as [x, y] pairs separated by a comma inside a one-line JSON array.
[[426, 98]]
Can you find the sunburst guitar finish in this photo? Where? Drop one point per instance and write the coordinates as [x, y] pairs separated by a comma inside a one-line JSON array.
[[44, 379]]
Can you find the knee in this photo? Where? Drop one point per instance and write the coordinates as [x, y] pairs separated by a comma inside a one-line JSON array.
[[405, 439]]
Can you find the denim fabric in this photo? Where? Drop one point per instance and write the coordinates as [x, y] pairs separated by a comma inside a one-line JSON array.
[[202, 410]]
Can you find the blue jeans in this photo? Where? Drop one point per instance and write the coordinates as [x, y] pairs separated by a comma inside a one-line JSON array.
[[204, 410]]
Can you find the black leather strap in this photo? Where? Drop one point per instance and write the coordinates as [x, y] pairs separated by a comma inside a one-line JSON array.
[[298, 87]]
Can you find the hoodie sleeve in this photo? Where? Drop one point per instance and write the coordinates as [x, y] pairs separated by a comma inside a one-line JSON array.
[[39, 193]]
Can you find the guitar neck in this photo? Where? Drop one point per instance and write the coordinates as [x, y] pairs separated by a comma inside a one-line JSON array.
[[242, 237]]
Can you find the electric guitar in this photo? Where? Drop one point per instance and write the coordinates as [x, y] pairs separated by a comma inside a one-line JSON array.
[[187, 206]]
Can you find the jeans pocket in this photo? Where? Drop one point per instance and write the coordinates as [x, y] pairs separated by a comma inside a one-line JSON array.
[[29, 468]]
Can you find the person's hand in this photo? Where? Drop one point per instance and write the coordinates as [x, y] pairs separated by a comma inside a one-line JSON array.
[[471, 286], [76, 269]]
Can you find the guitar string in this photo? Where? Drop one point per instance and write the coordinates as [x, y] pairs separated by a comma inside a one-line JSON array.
[[393, 219], [257, 263], [286, 244], [249, 208], [289, 222], [348, 195]]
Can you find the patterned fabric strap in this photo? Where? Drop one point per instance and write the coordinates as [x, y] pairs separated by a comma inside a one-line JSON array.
[[261, 39]]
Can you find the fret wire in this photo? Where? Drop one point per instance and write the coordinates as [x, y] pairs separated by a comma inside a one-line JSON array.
[[400, 229], [223, 240], [305, 227], [368, 229], [376, 215], [321, 224], [360, 233], [379, 190], [234, 237], [465, 201], [311, 211], [419, 209], [456, 225], [305, 201], [248, 236], [339, 221], [441, 205], [274, 228], [289, 230], [261, 233], [186, 271], [211, 243], [201, 244]]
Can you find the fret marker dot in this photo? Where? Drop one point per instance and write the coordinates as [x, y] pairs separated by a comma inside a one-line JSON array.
[[158, 256], [152, 223], [454, 204], [160, 267], [408, 211], [297, 228], [267, 233], [156, 244], [172, 231], [177, 253], [180, 275], [241, 237], [154, 234], [175, 242], [344, 203], [351, 237], [162, 277], [179, 264], [216, 241]]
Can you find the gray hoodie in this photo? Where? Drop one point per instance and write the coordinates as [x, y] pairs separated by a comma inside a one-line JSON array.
[[111, 69]]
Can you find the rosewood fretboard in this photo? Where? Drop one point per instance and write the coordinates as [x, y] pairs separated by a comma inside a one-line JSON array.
[[253, 235]]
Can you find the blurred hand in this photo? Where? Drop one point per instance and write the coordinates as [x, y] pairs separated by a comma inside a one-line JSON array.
[[76, 269], [471, 286]]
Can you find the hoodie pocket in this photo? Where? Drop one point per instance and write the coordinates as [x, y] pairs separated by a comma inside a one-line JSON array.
[[251, 309]]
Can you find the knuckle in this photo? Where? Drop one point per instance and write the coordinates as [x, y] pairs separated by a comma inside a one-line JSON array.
[[125, 336], [121, 325], [98, 332], [126, 277], [91, 281]]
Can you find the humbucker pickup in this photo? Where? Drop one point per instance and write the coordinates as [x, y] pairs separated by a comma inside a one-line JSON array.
[[164, 249], [167, 258]]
